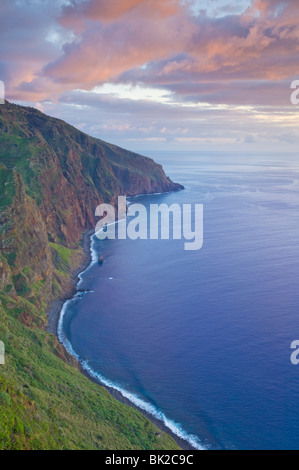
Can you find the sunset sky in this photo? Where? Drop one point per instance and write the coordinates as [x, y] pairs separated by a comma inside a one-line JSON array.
[[158, 74]]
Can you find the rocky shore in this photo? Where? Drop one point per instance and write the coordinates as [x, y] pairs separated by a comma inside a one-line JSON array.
[[53, 314]]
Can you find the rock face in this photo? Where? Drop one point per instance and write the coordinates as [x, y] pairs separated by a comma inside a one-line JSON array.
[[52, 178], [25, 252]]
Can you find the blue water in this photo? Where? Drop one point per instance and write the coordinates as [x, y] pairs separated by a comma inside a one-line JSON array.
[[202, 338]]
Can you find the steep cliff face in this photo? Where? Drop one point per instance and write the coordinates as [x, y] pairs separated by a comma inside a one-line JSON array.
[[53, 177], [68, 173], [26, 259]]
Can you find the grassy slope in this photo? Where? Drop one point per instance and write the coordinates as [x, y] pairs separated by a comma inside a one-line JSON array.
[[46, 402]]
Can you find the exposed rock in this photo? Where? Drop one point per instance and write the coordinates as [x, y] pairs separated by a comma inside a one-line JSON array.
[[53, 177]]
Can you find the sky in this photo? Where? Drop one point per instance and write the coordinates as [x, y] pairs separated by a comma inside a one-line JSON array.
[[158, 74]]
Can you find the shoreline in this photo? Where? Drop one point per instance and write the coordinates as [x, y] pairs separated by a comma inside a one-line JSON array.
[[54, 309], [53, 315]]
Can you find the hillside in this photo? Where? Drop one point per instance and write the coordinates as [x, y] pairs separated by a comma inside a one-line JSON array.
[[52, 178]]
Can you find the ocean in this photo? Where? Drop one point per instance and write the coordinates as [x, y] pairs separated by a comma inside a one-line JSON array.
[[201, 339]]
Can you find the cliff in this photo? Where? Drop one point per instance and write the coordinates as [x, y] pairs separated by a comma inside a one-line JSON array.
[[68, 172], [52, 178]]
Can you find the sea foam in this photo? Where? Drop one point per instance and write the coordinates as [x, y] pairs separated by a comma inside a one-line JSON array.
[[175, 428]]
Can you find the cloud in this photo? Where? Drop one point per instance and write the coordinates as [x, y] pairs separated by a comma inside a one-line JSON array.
[[126, 121], [103, 10], [137, 33], [259, 45], [30, 38], [162, 42], [52, 46], [222, 72]]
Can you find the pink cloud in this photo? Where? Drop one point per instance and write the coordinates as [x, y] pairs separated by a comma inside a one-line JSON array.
[[231, 47], [158, 42], [115, 9], [75, 15], [149, 31]]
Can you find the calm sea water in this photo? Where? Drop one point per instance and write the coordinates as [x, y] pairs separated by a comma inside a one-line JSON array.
[[202, 339]]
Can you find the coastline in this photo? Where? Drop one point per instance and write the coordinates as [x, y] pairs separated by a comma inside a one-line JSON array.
[[53, 315], [54, 309]]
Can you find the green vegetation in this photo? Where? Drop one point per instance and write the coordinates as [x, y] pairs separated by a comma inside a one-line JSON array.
[[7, 184], [20, 155], [63, 252], [46, 402], [52, 177]]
